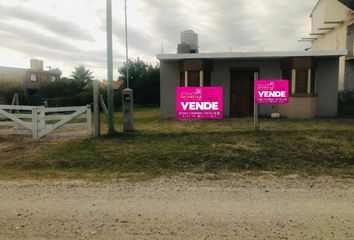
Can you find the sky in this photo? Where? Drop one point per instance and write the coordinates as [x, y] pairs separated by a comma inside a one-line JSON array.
[[69, 33]]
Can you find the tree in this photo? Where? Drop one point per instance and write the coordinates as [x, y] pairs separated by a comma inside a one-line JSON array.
[[62, 88], [56, 71], [82, 76], [144, 80]]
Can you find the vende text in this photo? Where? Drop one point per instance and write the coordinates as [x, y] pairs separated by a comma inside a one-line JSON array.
[[272, 93], [200, 106]]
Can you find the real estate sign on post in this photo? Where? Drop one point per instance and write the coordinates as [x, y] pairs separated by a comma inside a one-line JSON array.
[[199, 103], [271, 91]]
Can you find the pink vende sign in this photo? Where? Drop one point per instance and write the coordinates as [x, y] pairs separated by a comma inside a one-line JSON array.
[[271, 91], [199, 103]]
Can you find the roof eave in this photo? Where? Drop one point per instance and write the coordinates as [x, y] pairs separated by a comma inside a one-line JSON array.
[[252, 55], [314, 8]]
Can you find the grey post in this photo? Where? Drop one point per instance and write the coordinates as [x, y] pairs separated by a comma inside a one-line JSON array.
[[96, 108], [15, 101], [126, 43], [128, 103], [255, 106], [89, 120], [103, 105], [111, 129]]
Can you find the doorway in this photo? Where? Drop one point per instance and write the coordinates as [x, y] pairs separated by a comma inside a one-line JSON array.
[[241, 92]]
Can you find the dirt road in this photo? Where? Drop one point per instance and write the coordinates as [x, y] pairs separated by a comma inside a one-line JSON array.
[[184, 207]]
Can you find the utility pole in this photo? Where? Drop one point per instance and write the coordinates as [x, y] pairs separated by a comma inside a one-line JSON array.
[[128, 94], [111, 130], [126, 43]]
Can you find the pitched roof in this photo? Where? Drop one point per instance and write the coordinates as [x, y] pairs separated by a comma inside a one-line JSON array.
[[118, 84], [318, 2]]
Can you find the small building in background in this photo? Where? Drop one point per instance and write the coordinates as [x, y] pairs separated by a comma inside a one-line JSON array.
[[118, 85], [29, 79]]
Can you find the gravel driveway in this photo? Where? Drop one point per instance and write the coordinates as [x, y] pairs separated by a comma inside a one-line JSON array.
[[182, 207]]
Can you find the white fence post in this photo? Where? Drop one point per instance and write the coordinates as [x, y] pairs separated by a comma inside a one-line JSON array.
[[35, 123], [89, 120], [42, 118], [96, 108]]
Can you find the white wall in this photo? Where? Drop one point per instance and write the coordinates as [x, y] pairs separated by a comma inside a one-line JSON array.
[[335, 11], [169, 80], [327, 11], [335, 40], [332, 10], [318, 16]]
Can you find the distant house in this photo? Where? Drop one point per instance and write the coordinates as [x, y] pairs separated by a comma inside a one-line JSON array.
[[15, 76], [29, 79], [117, 85], [333, 29]]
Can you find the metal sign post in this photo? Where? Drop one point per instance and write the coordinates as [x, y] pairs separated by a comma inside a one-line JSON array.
[[128, 101], [255, 106], [126, 44], [268, 92]]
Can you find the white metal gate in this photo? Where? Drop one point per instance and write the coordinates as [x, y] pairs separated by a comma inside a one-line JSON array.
[[41, 121]]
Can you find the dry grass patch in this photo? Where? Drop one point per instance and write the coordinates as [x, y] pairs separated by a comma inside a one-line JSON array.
[[324, 146]]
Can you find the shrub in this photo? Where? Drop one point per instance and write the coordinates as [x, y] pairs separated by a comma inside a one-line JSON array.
[[346, 104], [144, 80], [68, 93], [7, 91]]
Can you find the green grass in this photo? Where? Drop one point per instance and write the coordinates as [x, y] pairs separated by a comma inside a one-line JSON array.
[[322, 146]]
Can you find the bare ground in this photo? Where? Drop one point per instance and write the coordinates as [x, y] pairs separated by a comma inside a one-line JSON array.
[[182, 207]]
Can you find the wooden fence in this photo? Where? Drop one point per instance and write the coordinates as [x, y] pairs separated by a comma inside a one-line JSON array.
[[41, 121]]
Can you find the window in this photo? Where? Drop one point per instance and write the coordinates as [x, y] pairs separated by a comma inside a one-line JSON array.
[[33, 77], [181, 79], [207, 79], [286, 75], [301, 81], [53, 78], [301, 75], [193, 79]]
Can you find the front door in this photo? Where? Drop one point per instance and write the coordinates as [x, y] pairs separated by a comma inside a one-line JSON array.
[[241, 93]]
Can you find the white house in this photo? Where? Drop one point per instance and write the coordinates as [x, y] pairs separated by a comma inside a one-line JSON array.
[[333, 29]]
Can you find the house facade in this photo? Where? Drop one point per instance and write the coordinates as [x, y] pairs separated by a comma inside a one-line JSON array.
[[29, 79], [312, 75], [332, 28]]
